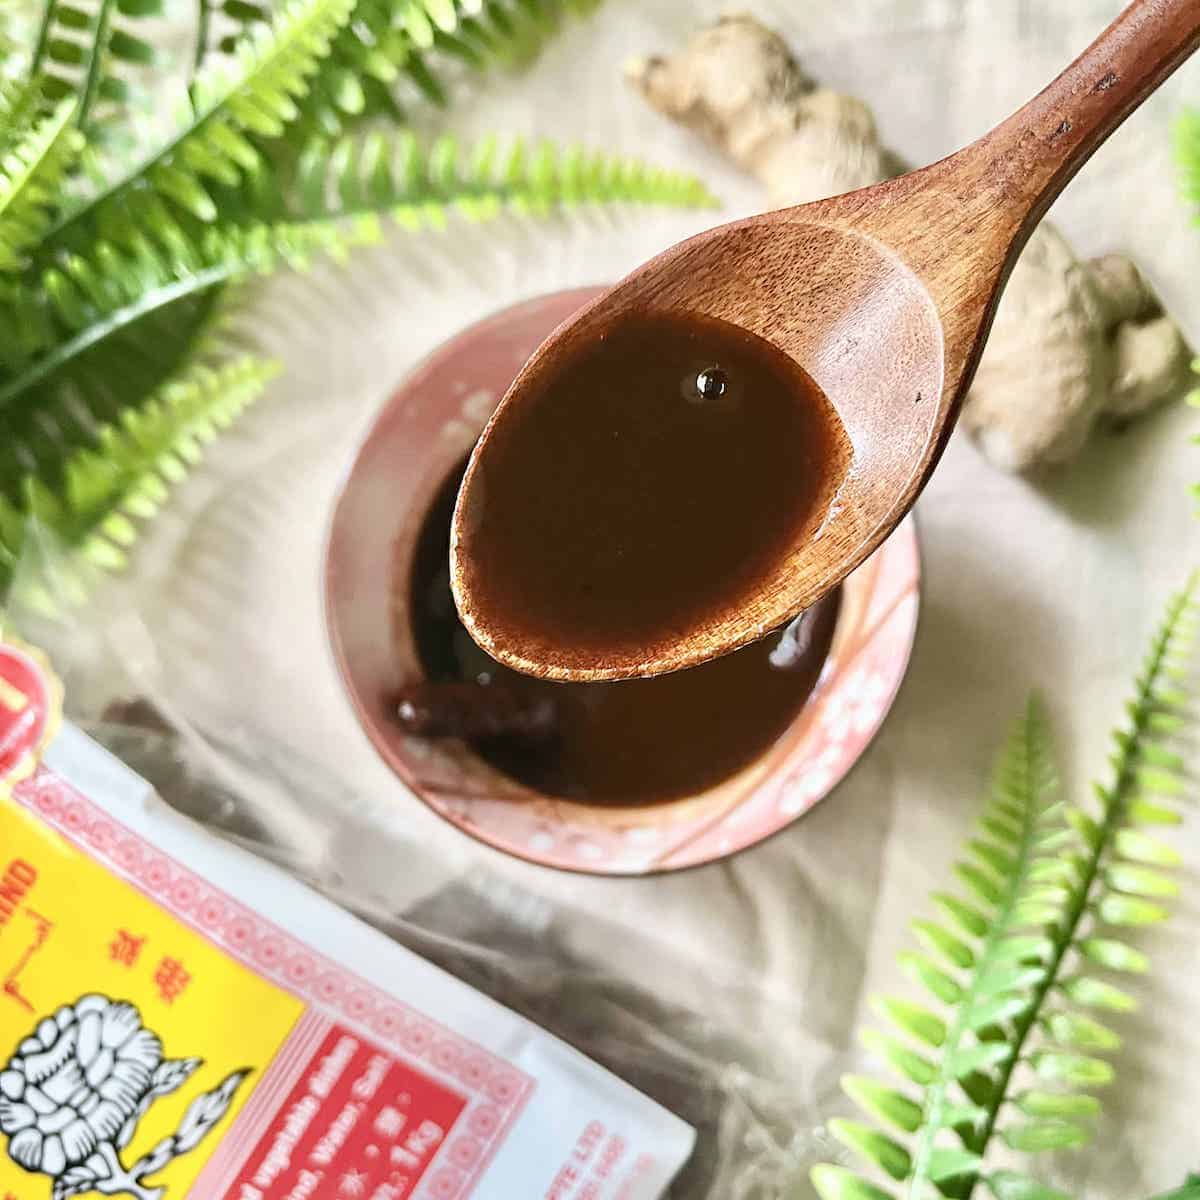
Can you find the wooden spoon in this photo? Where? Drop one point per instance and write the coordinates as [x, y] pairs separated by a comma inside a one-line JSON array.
[[885, 296]]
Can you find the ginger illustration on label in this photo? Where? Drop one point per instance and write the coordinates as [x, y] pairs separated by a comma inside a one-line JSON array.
[[72, 1097]]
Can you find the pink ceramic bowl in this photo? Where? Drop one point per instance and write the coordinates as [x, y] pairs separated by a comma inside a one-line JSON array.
[[426, 428]]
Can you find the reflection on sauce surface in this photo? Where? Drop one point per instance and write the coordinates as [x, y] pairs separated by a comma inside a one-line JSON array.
[[647, 489]]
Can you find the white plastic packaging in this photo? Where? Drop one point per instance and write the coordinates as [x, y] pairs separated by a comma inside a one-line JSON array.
[[183, 1019]]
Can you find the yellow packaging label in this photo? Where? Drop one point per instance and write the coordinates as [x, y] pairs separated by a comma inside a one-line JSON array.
[[179, 1021], [120, 1022]]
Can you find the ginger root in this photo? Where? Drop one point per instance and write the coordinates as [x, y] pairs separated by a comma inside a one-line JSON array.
[[1074, 341]]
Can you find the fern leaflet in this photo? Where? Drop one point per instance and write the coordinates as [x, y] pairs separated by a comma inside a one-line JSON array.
[[1189, 1191], [122, 482], [231, 111], [91, 51], [1187, 156], [385, 43], [1051, 885], [36, 156], [48, 349], [220, 24], [394, 173]]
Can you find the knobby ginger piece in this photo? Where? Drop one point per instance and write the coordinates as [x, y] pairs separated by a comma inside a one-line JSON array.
[[1074, 341]]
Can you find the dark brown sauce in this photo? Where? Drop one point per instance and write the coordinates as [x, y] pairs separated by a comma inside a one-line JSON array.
[[647, 490], [632, 742]]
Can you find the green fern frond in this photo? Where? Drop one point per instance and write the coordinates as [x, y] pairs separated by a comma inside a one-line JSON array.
[[22, 105], [510, 34], [110, 491], [1194, 401], [49, 347], [503, 33], [88, 299], [1189, 1191], [120, 372], [113, 258], [980, 965], [385, 45], [14, 49], [36, 155], [86, 321], [394, 173], [1055, 889], [221, 24], [91, 51], [235, 106], [1187, 156], [372, 53]]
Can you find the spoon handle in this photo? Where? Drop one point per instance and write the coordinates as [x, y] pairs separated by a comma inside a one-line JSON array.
[[1033, 155]]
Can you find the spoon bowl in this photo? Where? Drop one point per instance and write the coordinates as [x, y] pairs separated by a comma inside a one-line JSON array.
[[884, 296], [858, 343]]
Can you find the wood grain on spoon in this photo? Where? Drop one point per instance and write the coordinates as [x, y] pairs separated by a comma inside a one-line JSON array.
[[883, 296]]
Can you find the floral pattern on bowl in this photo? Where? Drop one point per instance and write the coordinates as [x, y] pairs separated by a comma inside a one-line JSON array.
[[426, 428]]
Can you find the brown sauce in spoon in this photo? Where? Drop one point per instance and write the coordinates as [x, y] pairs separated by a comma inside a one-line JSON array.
[[647, 489], [633, 742]]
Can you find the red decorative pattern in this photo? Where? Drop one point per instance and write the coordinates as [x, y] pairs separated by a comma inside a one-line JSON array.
[[397, 1140], [494, 1091], [27, 712]]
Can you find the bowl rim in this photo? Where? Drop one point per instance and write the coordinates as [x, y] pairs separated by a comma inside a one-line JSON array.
[[402, 767]]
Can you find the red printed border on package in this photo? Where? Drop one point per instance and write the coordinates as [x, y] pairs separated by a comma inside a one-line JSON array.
[[435, 1106]]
